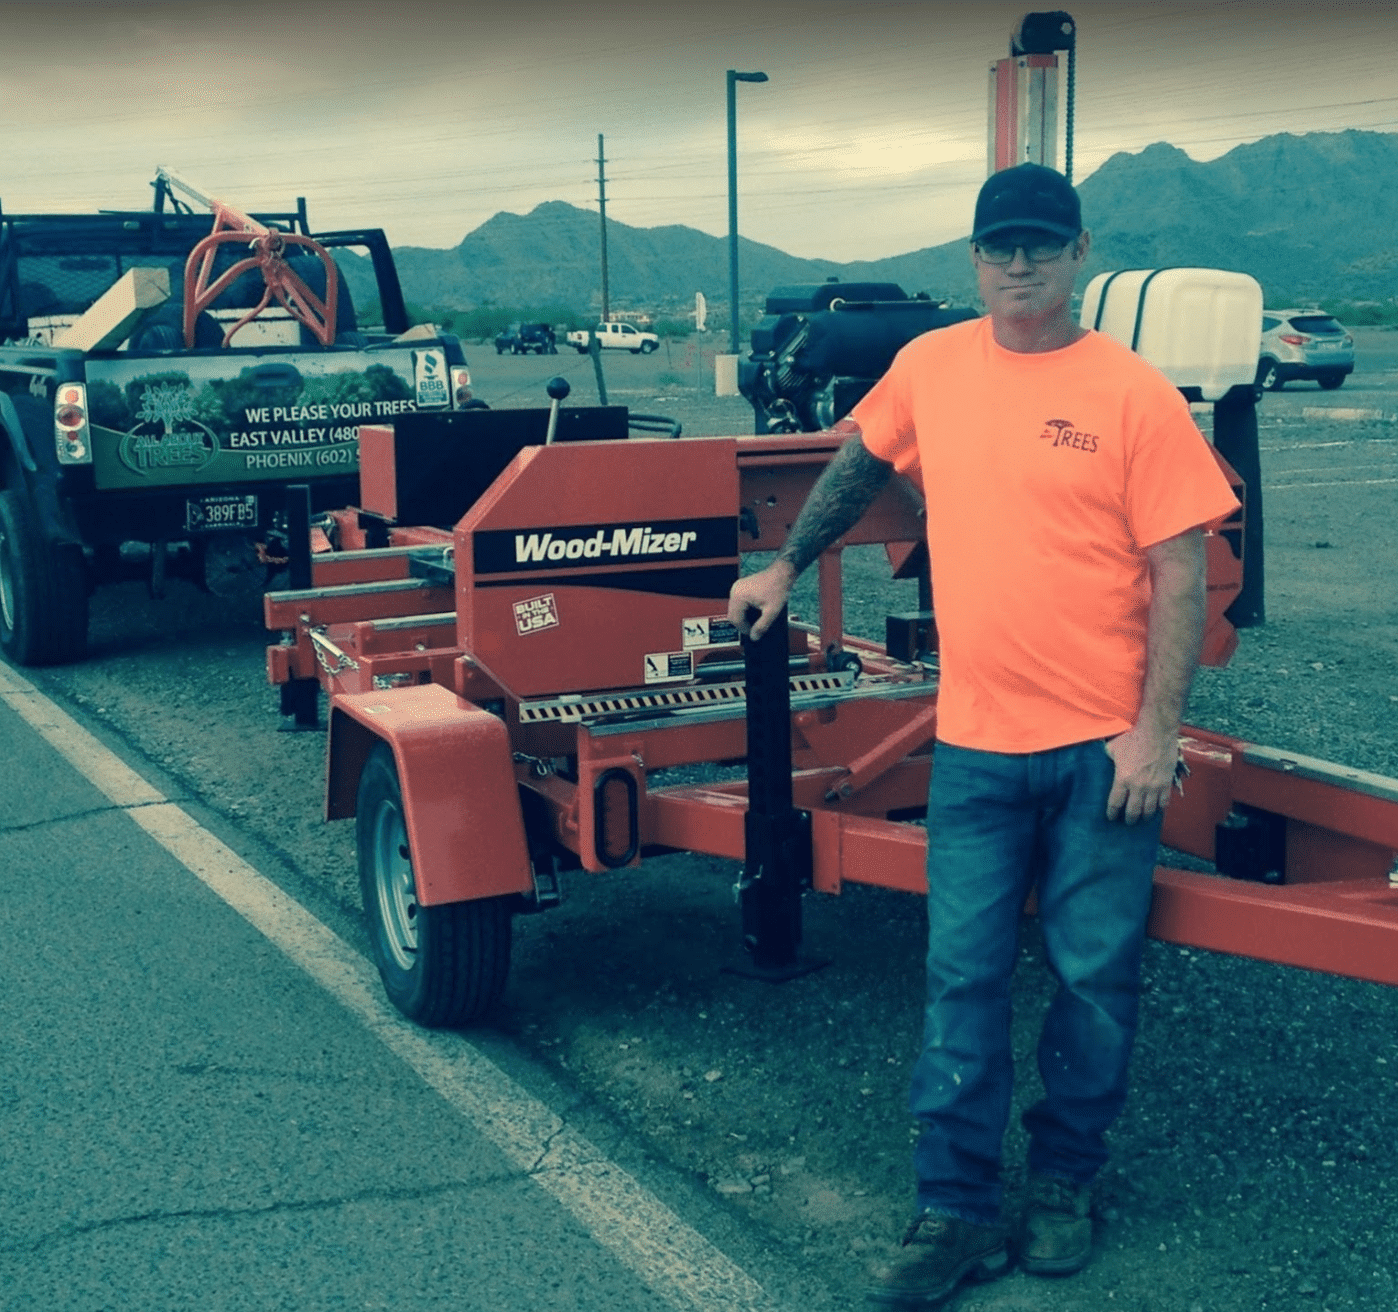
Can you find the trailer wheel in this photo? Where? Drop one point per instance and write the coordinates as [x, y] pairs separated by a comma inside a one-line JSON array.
[[43, 590], [442, 965]]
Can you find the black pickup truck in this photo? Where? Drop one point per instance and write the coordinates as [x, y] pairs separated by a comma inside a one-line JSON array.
[[526, 339], [126, 446]]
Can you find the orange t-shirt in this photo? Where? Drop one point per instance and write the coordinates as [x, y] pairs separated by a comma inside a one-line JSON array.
[[1046, 477]]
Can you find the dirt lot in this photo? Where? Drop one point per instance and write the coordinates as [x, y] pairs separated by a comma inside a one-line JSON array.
[[1256, 1166]]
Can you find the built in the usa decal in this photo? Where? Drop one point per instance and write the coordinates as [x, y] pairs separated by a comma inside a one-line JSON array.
[[536, 613], [509, 551]]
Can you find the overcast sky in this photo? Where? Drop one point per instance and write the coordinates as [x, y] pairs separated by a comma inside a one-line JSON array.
[[426, 117]]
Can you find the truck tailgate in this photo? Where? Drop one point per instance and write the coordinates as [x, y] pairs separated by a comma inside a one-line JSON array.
[[230, 417]]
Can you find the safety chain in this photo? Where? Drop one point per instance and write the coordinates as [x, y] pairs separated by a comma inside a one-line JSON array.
[[332, 659]]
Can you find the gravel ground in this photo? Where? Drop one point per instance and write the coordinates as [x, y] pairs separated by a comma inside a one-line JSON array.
[[1255, 1165]]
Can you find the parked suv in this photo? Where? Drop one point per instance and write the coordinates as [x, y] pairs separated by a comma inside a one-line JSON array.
[[523, 338], [1303, 344]]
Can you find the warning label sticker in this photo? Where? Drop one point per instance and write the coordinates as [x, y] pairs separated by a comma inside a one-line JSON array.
[[536, 613], [709, 631], [668, 666]]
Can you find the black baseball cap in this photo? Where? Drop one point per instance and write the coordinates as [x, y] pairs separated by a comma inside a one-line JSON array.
[[1027, 196]]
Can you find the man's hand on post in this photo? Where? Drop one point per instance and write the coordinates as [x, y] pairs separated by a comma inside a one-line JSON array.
[[1145, 762], [765, 592]]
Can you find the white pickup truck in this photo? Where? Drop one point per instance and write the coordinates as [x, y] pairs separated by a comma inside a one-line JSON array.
[[615, 336]]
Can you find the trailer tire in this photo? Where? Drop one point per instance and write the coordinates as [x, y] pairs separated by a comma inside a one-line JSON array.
[[441, 966], [43, 590]]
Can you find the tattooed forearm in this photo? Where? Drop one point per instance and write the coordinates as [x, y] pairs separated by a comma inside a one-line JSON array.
[[846, 489]]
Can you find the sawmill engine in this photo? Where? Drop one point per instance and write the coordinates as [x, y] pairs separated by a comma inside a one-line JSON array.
[[822, 346]]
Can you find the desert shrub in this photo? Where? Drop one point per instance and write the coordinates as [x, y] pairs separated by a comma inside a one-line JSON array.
[[677, 328], [482, 322], [1363, 314]]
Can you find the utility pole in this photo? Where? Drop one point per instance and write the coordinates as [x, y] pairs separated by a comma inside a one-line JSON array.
[[602, 207]]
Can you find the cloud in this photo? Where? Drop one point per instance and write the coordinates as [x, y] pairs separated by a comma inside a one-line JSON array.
[[426, 118]]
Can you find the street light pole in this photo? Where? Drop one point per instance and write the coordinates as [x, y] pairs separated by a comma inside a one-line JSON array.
[[734, 78]]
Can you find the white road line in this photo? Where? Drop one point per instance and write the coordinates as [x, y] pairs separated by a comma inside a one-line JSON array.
[[1324, 413], [1334, 482], [1316, 446], [672, 1259], [1330, 469]]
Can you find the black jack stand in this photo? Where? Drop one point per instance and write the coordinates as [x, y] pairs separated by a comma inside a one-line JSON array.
[[777, 861], [300, 698]]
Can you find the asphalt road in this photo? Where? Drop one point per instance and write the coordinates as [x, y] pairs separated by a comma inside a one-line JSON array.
[[192, 1121]]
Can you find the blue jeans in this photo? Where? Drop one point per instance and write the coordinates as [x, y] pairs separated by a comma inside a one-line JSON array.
[[996, 825]]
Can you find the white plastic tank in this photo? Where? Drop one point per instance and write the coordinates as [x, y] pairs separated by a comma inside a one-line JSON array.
[[1202, 328]]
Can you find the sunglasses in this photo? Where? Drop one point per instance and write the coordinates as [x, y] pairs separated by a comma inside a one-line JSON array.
[[1043, 250]]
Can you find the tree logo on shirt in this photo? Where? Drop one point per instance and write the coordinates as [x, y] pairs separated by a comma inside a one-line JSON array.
[[1061, 432]]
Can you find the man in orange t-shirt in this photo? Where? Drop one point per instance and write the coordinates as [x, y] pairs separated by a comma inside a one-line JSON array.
[[1066, 489]]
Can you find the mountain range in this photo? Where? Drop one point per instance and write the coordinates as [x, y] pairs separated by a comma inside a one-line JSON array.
[[1312, 217]]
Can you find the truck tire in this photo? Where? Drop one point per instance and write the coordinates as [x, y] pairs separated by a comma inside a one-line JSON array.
[[443, 965], [647, 347], [43, 590]]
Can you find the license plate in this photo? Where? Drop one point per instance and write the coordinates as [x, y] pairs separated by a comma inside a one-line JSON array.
[[210, 514]]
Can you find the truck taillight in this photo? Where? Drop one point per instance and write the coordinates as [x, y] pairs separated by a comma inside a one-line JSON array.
[[460, 385], [70, 431]]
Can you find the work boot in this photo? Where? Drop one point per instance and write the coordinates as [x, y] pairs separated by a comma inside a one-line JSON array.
[[939, 1253], [1057, 1237]]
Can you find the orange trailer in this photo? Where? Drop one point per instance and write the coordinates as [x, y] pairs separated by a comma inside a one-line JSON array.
[[510, 696]]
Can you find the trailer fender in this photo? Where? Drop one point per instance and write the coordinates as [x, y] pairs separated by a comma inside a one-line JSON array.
[[460, 800]]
